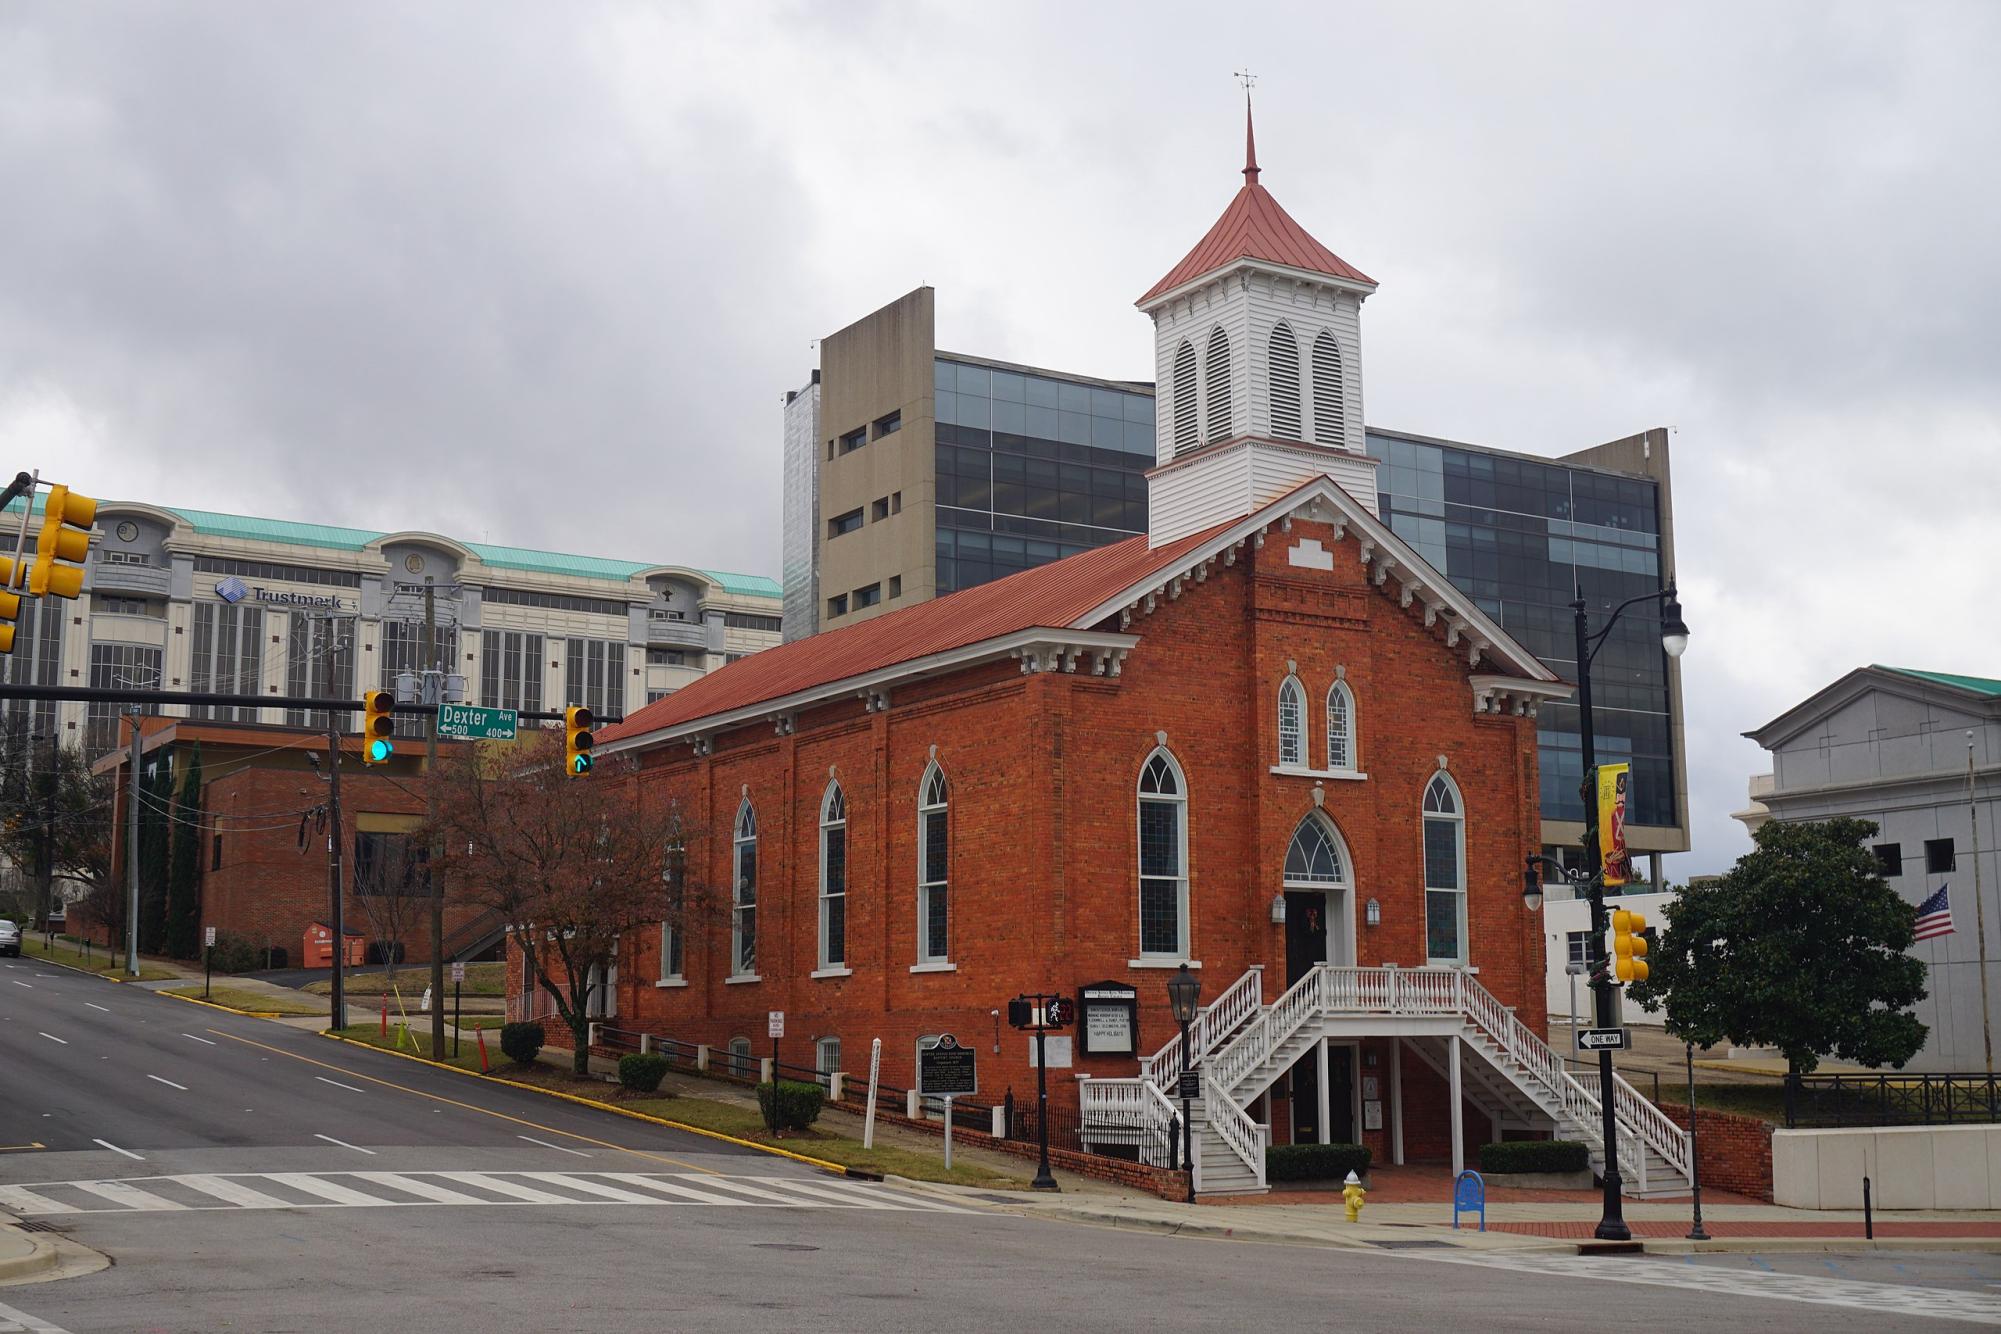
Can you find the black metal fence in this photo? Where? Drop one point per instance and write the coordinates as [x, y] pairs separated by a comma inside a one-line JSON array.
[[1891, 1100]]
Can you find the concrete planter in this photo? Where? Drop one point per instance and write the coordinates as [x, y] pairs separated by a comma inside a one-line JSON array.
[[1541, 1180]]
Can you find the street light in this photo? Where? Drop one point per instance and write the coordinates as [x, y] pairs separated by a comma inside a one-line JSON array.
[[1674, 640], [1184, 991]]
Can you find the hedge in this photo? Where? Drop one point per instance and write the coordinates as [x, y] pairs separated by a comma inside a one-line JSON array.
[[642, 1071], [521, 1042], [1535, 1155], [798, 1103], [1315, 1162]]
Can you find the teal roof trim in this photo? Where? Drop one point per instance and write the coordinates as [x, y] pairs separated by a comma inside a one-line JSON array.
[[554, 562], [1979, 685], [246, 529], [749, 585]]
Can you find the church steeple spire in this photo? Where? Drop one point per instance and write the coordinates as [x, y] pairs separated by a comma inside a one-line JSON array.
[[1250, 142]]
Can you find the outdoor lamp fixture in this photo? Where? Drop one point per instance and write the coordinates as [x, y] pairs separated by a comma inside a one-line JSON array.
[[1184, 992], [1278, 910], [1674, 641], [1531, 886], [1373, 913]]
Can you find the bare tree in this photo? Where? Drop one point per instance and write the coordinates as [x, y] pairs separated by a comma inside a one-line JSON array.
[[393, 885], [572, 865]]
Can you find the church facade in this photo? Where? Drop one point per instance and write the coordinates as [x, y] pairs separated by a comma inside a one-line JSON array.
[[1265, 740]]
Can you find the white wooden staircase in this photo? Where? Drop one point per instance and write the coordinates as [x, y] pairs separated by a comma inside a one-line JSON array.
[[1242, 1047]]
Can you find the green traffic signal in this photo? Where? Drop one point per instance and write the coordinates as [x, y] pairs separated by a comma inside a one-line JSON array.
[[379, 751], [580, 764]]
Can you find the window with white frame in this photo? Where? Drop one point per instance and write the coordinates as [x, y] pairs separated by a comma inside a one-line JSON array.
[[740, 1062], [1291, 724], [833, 877], [1341, 728], [743, 893], [1444, 872], [1577, 948], [601, 990], [934, 909], [674, 871], [1163, 858], [827, 1056], [1314, 855]]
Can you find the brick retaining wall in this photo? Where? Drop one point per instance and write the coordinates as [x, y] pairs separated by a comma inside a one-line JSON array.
[[1734, 1151]]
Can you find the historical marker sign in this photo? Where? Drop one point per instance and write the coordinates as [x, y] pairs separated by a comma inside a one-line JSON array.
[[476, 722], [947, 1070], [1601, 1039]]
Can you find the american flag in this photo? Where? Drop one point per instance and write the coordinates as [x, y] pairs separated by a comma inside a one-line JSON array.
[[1935, 916]]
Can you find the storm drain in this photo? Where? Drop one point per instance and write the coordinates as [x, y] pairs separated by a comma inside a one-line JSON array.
[[37, 1225]]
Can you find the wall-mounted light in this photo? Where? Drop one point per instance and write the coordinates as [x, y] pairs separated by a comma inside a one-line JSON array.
[[1278, 909], [1374, 913]]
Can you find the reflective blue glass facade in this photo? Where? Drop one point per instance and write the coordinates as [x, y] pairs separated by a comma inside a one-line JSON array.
[[1519, 536], [1032, 468]]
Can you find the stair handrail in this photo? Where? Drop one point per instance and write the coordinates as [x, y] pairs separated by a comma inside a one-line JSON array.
[[1305, 1000], [1234, 1125], [1651, 1127], [1218, 1019]]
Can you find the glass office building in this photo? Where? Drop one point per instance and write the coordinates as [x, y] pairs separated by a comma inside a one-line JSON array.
[[1521, 535], [1032, 468]]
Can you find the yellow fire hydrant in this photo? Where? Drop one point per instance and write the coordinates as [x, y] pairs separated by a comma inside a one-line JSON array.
[[1353, 1193]]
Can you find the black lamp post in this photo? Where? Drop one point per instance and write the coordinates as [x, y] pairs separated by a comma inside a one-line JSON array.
[[1184, 991], [1695, 1233], [1674, 640]]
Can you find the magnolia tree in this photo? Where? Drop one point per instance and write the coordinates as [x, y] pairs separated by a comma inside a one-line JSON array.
[[572, 865]]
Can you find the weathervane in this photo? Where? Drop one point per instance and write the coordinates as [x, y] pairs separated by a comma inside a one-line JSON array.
[[1248, 79]]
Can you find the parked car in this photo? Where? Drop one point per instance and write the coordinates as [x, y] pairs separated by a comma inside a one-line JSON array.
[[10, 938]]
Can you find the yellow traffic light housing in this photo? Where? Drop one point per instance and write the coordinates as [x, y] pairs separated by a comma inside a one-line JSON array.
[[577, 741], [65, 536], [378, 726], [10, 605], [1629, 947]]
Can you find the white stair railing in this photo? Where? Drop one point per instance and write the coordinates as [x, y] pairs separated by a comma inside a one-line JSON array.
[[1128, 1111], [1236, 1129], [1217, 1021]]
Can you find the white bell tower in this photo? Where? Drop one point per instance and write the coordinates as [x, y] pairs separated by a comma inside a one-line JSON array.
[[1258, 367]]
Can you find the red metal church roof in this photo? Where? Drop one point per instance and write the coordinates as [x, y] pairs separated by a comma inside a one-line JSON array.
[[1051, 596], [1255, 227]]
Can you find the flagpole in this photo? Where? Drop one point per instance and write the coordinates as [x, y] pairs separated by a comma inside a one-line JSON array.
[[1979, 907]]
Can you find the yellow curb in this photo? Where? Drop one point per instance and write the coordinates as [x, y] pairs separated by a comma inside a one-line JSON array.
[[838, 1169], [248, 1014]]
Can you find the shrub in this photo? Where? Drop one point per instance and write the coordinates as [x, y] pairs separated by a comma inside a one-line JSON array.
[[798, 1103], [642, 1071], [1535, 1155], [522, 1042], [1315, 1162], [235, 953]]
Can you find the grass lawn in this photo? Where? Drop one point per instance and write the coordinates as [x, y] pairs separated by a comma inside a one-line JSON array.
[[97, 961], [417, 1042], [482, 979], [1767, 1102], [256, 1002]]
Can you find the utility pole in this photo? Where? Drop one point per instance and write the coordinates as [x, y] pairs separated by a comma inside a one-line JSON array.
[[434, 692], [49, 826], [339, 1016], [132, 849]]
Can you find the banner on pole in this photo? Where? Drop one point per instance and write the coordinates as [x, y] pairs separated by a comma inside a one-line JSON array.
[[1613, 858]]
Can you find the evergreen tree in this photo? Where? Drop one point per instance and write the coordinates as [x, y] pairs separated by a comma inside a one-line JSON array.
[[156, 797], [184, 873]]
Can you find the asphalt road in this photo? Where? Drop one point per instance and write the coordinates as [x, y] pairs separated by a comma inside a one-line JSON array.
[[245, 1176]]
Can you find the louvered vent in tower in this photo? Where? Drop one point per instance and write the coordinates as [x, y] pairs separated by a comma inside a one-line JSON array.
[[1187, 426], [1219, 385], [1329, 414], [1283, 354]]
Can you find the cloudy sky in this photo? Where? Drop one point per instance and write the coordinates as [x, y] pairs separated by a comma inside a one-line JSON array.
[[499, 252]]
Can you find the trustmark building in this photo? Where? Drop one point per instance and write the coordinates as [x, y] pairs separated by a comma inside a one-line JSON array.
[[1265, 738]]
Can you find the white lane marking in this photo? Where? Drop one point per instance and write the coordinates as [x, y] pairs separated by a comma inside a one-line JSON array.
[[118, 1192], [526, 1194], [34, 1324], [337, 1084], [307, 1184], [673, 1188], [170, 1083], [19, 1200], [204, 1041], [1893, 1301], [53, 1038], [19, 983], [423, 1190], [344, 1144], [557, 1147], [115, 1149], [95, 1006], [576, 1181], [231, 1192]]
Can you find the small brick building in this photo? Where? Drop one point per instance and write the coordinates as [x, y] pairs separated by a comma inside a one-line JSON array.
[[264, 866]]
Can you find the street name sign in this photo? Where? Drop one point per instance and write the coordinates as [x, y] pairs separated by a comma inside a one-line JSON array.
[[947, 1070], [1601, 1039], [476, 722]]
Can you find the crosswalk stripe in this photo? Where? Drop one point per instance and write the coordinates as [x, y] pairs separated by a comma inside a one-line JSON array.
[[742, 1188], [814, 1190], [845, 1189], [674, 1187], [20, 1200], [500, 1186], [118, 1192], [231, 1192], [307, 1184], [593, 1187], [419, 1187]]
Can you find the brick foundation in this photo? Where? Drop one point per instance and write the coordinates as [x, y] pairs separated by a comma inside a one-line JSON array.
[[1734, 1152]]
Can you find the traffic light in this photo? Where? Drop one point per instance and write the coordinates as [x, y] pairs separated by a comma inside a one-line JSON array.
[[378, 725], [1020, 1013], [65, 536], [1062, 1012], [1629, 947], [10, 605], [576, 741]]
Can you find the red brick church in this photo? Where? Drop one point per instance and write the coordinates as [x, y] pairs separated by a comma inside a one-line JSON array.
[[1266, 739]]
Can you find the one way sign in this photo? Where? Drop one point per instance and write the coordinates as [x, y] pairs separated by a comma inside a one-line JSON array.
[[1601, 1039]]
